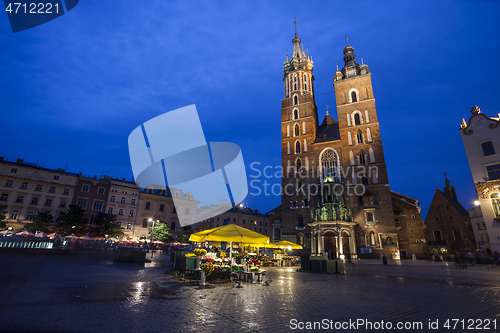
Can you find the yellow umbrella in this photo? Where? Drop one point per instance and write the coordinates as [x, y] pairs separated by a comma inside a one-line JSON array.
[[229, 233], [288, 244]]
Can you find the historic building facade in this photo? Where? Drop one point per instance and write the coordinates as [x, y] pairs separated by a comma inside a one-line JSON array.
[[26, 189], [123, 201], [448, 227], [347, 151], [242, 216], [481, 139]]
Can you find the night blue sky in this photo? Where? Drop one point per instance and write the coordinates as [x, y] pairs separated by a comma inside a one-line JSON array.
[[73, 89]]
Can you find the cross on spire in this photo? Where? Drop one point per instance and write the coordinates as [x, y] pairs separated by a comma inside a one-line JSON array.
[[346, 40], [326, 107]]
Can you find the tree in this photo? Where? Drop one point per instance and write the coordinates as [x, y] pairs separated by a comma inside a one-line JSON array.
[[185, 234], [73, 221], [3, 215], [105, 224], [159, 232], [41, 222]]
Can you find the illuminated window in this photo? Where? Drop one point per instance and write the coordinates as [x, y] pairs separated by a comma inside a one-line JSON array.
[[372, 239], [488, 148]]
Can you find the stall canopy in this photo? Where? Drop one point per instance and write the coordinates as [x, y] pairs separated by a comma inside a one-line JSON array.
[[229, 233], [288, 244]]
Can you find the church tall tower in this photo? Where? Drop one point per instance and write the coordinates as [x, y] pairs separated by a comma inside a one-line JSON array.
[[299, 118], [362, 157]]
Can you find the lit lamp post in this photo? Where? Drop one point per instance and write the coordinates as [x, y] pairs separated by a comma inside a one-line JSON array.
[[151, 237]]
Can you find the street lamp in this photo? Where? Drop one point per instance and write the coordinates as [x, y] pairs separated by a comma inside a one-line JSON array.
[[151, 236]]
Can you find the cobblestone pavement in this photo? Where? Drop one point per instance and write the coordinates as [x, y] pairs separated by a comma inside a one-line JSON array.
[[91, 293]]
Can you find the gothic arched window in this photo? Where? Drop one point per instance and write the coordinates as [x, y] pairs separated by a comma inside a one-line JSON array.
[[360, 136], [362, 157], [301, 220], [295, 99], [329, 164], [295, 114], [298, 164], [372, 239], [357, 119], [354, 97], [297, 147], [277, 234], [297, 130]]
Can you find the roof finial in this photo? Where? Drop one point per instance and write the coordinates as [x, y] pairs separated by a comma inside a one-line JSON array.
[[445, 176], [346, 40], [337, 66], [362, 60], [326, 107], [295, 22]]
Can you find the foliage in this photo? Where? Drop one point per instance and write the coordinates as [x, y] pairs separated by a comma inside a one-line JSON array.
[[185, 234], [159, 232], [3, 215], [73, 221], [41, 222], [105, 224]]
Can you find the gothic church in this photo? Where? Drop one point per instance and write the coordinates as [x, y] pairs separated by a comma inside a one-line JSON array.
[[336, 195]]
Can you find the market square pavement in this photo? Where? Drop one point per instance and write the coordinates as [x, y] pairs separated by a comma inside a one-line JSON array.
[[92, 293]]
